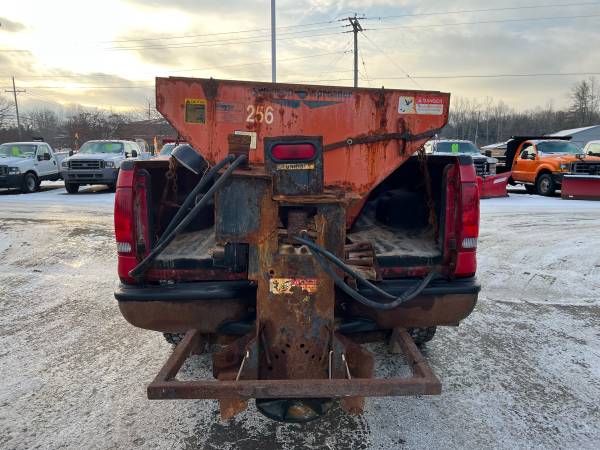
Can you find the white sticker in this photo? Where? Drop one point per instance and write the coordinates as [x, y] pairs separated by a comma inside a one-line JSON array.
[[433, 106], [252, 135], [406, 105]]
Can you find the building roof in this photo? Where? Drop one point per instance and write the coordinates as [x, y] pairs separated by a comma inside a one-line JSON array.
[[493, 146], [573, 131]]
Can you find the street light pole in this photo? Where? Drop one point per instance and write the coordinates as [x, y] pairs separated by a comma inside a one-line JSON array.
[[273, 45]]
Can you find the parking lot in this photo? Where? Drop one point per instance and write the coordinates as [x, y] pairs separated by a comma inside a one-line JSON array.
[[522, 371]]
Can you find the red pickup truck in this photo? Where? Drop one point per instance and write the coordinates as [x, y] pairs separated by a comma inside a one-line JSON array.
[[326, 231]]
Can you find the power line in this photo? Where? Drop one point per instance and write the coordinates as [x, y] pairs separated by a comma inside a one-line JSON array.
[[533, 19], [392, 61], [184, 36], [502, 75], [464, 11]]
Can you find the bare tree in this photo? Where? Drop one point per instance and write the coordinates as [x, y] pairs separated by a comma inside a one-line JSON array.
[[5, 108], [585, 99]]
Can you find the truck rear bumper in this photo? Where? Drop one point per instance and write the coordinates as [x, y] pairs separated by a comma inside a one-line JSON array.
[[204, 306]]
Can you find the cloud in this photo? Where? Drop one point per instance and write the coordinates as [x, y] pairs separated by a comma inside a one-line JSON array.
[[10, 26]]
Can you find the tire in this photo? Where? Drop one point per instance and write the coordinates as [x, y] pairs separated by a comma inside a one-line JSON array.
[[531, 189], [72, 188], [545, 185], [112, 187], [30, 183], [422, 335], [173, 338]]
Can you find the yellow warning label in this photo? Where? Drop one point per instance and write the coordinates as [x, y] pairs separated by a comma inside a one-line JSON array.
[[287, 285], [195, 110], [296, 166]]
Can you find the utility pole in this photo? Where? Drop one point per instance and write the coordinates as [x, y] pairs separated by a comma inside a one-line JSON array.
[[356, 27], [273, 45], [15, 92]]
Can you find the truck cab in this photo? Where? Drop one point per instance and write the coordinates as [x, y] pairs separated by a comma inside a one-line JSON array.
[[24, 165], [541, 163], [98, 162]]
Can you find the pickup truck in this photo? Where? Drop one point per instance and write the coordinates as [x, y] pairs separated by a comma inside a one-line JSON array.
[[329, 228], [490, 183], [540, 162], [98, 162], [24, 165]]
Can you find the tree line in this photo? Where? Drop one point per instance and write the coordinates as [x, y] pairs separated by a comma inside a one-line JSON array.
[[488, 121]]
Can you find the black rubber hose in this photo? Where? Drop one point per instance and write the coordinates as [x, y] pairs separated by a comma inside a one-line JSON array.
[[141, 268], [342, 265], [190, 198], [318, 252]]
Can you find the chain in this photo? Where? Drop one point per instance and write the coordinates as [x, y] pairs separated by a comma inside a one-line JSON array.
[[427, 179]]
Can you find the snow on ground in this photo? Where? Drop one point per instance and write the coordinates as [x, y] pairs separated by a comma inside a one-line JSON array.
[[523, 371]]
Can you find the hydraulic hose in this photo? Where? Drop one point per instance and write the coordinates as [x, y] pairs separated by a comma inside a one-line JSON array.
[[141, 268], [319, 253], [190, 198]]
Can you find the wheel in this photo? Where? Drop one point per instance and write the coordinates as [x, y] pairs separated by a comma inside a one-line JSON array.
[[422, 335], [530, 188], [30, 183], [72, 188], [545, 185], [173, 338], [112, 187]]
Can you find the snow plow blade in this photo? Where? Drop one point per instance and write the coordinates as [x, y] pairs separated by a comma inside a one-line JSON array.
[[580, 187], [493, 186]]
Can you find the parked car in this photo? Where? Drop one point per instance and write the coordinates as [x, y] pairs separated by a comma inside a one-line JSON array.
[[490, 184], [540, 162], [98, 162], [24, 165], [592, 148], [168, 147]]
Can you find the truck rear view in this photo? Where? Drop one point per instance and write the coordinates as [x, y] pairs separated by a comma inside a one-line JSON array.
[[308, 222]]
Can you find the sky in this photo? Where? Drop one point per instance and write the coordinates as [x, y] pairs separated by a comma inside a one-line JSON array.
[[106, 53]]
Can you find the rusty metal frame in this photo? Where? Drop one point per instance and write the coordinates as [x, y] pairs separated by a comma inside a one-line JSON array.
[[423, 382]]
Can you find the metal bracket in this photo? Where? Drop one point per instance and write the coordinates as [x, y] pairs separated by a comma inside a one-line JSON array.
[[165, 386]]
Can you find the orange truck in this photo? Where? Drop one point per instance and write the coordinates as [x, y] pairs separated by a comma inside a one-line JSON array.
[[542, 163]]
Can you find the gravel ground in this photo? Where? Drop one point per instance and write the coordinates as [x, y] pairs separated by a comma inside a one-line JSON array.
[[522, 371]]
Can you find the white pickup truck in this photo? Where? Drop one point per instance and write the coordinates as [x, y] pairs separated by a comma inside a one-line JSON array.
[[24, 165]]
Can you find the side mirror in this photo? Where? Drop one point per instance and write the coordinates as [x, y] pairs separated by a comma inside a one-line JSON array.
[[39, 157], [134, 154], [70, 152], [488, 153], [524, 154]]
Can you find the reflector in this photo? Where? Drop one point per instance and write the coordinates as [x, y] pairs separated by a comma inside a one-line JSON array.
[[295, 152]]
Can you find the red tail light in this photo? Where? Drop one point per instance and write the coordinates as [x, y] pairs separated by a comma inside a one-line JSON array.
[[293, 152], [124, 224], [468, 232]]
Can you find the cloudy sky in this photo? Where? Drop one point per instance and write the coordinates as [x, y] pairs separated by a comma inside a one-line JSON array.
[[106, 53]]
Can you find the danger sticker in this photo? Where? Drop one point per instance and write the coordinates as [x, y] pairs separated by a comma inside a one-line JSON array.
[[429, 105], [287, 285], [296, 166], [406, 105]]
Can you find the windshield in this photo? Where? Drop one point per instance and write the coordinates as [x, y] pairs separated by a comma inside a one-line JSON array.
[[167, 149], [558, 147], [455, 147], [18, 150], [101, 147]]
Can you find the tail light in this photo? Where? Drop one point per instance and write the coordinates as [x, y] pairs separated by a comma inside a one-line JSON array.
[[124, 224], [293, 152], [468, 230]]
